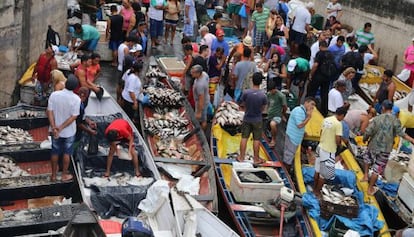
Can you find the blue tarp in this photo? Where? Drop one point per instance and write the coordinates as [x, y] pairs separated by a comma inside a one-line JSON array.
[[365, 224], [390, 189]]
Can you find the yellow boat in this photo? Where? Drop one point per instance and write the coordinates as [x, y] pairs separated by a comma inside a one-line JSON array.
[[349, 161]]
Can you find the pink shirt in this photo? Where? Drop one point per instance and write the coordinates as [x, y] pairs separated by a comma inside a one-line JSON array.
[[127, 14], [409, 56]]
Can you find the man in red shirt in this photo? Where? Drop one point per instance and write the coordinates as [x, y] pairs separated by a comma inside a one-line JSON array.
[[120, 131]]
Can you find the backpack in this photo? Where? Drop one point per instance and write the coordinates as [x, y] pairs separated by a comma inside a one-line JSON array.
[[328, 67], [52, 37]]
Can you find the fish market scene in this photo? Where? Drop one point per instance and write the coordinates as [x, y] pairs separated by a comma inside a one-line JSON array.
[[207, 118]]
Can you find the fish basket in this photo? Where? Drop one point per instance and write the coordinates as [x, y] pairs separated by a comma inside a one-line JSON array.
[[328, 209], [338, 228]]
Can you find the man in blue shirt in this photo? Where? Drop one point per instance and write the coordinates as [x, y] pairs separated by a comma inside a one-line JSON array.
[[295, 129], [338, 50], [220, 42]]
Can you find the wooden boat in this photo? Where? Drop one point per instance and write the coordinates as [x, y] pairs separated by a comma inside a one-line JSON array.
[[24, 116], [186, 147], [349, 162], [250, 219], [83, 223], [373, 76], [28, 202], [205, 223], [103, 112]]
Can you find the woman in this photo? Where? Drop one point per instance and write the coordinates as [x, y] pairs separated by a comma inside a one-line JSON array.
[[171, 19], [280, 32], [347, 76], [132, 91], [271, 23], [276, 70], [127, 12]]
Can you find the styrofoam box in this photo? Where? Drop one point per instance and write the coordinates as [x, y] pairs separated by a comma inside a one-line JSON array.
[[406, 191], [255, 192]]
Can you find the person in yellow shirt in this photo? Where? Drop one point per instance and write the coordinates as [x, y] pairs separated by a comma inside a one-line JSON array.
[[406, 118], [329, 142]]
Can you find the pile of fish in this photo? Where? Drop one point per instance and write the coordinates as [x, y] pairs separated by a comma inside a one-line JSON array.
[[118, 179], [168, 124], [164, 97], [371, 90], [9, 135], [229, 114], [8, 169], [335, 195], [172, 148], [21, 216], [155, 72], [28, 114], [400, 157], [398, 95]]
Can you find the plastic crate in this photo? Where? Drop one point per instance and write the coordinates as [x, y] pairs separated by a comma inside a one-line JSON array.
[[255, 192], [328, 209], [338, 229]]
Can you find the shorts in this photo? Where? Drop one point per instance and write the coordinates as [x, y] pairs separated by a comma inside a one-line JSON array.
[[325, 165], [233, 8], [114, 44], [377, 160], [62, 145], [156, 28], [260, 38], [256, 128], [297, 37], [212, 85], [290, 151], [171, 22], [277, 119]]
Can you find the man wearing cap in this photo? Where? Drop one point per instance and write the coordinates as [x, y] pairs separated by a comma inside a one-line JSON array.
[[201, 94], [409, 62], [329, 142], [380, 135], [298, 71], [220, 42], [89, 36], [239, 48], [134, 55], [207, 38], [335, 99], [254, 101], [62, 111]]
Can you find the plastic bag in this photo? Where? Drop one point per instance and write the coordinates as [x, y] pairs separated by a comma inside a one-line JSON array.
[[242, 11], [93, 145], [404, 75]]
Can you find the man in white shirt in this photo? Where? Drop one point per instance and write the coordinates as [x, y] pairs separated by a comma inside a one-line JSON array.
[[156, 16], [206, 38], [335, 98], [62, 110], [301, 25], [315, 47]]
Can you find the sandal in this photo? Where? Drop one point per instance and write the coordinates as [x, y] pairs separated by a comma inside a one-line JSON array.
[[373, 193], [261, 161], [67, 178]]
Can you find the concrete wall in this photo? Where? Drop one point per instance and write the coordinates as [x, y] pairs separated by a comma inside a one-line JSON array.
[[23, 27], [392, 24]]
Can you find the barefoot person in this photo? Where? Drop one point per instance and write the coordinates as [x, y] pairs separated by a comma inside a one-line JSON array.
[[120, 131], [62, 111], [254, 101], [380, 136]]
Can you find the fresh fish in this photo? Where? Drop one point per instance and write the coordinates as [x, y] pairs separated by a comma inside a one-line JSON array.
[[250, 177], [229, 114]]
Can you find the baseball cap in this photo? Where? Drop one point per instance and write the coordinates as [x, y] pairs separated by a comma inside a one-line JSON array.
[[219, 32], [395, 110], [291, 65], [136, 48], [387, 104]]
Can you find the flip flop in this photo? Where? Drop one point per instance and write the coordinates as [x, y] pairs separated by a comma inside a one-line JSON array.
[[67, 179], [261, 161], [363, 180], [375, 190], [105, 176]]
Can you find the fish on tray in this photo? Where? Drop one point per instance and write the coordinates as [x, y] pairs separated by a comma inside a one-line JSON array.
[[8, 169], [9, 135]]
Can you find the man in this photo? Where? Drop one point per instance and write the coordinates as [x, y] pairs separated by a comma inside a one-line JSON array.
[[241, 72], [276, 110], [216, 63], [156, 16], [259, 19], [134, 56], [338, 50], [386, 90], [62, 111], [254, 101], [206, 38], [119, 131], [214, 25], [298, 72], [329, 142], [365, 36], [239, 48], [369, 55], [190, 18], [315, 47], [114, 33], [201, 94], [335, 98], [380, 137], [123, 51], [89, 36], [220, 42], [318, 79], [82, 74], [44, 66], [301, 26], [295, 129]]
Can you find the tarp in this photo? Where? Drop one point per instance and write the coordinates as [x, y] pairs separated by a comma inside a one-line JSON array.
[[365, 224]]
